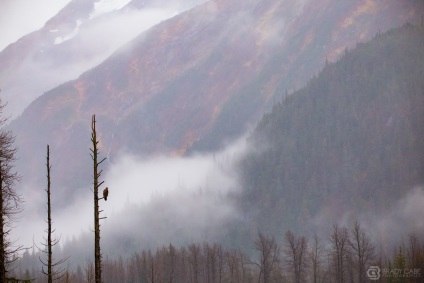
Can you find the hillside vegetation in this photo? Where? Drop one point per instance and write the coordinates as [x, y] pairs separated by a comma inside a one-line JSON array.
[[191, 83], [350, 141]]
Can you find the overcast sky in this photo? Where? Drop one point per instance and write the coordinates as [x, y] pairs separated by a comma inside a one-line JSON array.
[[19, 17]]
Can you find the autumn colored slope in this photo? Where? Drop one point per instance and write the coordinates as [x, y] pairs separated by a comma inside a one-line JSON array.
[[194, 81], [79, 37]]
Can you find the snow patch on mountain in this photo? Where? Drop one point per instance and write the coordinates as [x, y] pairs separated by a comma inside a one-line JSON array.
[[73, 33], [105, 6], [21, 17]]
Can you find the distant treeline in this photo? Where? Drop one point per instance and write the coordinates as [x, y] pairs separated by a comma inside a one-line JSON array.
[[345, 255]]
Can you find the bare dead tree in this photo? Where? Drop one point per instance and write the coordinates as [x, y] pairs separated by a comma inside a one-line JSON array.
[[96, 184], [195, 264], [134, 268], [153, 271], [232, 264], [244, 262], [339, 241], [296, 255], [316, 258], [169, 260], [269, 256], [10, 200], [236, 265], [54, 272], [221, 262], [415, 255], [89, 272], [211, 262], [363, 250]]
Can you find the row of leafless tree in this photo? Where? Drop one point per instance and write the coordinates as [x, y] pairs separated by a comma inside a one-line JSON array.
[[345, 255]]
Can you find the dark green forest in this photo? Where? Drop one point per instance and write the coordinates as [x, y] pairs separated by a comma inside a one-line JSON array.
[[350, 141]]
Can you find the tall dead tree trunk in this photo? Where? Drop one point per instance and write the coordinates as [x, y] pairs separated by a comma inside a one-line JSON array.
[[54, 272], [96, 185], [49, 222]]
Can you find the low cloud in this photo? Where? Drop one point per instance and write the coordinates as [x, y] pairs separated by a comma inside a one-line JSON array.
[[403, 218], [151, 202], [387, 229]]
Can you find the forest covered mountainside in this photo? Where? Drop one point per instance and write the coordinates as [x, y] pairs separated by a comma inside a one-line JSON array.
[[345, 148], [348, 145], [189, 84]]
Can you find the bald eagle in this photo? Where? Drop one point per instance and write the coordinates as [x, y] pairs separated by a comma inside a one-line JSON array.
[[105, 193]]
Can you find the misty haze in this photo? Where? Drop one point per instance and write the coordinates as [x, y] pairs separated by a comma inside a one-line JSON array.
[[212, 141]]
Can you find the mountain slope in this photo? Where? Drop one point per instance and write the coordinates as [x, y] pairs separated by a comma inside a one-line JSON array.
[[345, 147], [349, 144], [193, 81], [296, 42], [327, 146], [81, 36]]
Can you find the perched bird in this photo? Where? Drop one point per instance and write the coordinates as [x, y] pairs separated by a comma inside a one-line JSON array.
[[105, 193]]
